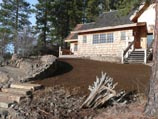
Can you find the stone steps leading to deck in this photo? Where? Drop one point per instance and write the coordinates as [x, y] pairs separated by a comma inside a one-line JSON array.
[[136, 56]]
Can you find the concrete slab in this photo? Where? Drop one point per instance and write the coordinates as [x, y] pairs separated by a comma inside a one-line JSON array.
[[17, 91], [27, 86]]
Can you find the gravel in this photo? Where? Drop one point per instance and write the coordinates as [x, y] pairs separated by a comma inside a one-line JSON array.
[[52, 103]]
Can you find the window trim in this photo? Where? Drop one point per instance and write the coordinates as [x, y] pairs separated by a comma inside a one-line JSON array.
[[123, 36], [103, 38], [84, 39], [95, 38]]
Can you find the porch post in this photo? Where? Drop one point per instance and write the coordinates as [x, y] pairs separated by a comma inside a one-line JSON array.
[[122, 57], [145, 56], [60, 52]]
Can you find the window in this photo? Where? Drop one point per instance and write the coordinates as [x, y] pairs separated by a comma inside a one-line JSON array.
[[75, 47], [102, 38], [110, 38], [84, 39], [123, 35], [95, 39]]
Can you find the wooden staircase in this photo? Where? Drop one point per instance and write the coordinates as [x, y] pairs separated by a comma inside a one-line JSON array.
[[136, 56]]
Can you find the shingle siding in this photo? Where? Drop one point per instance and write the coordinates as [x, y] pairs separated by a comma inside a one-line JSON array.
[[103, 49]]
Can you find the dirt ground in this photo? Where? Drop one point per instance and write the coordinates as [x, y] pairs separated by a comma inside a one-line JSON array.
[[78, 74]]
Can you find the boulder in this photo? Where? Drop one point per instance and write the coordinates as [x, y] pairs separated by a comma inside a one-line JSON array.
[[48, 59], [14, 57], [4, 77]]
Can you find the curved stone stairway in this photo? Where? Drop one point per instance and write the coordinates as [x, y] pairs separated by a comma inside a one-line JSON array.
[[14, 94]]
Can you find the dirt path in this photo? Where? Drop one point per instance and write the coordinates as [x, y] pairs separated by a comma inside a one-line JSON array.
[[79, 74]]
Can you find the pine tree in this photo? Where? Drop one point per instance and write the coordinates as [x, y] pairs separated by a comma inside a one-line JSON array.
[[96, 7], [67, 15], [43, 13], [56, 18], [14, 16]]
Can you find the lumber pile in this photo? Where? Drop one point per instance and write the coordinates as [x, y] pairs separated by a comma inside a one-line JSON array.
[[102, 91]]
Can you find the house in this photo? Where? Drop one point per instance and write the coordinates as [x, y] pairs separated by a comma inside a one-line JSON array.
[[114, 37]]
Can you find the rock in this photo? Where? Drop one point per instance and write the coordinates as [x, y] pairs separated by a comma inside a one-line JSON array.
[[23, 70], [26, 66], [14, 57], [48, 59], [4, 77], [26, 86]]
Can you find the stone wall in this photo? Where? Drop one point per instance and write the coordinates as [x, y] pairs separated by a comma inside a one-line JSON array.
[[104, 51]]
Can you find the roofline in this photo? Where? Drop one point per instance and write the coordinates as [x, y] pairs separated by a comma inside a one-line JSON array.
[[111, 27], [71, 40]]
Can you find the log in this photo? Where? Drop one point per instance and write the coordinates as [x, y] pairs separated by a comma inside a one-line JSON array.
[[102, 91]]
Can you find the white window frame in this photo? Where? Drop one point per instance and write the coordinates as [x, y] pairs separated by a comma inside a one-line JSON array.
[[110, 37], [123, 35], [84, 39], [103, 38], [75, 47], [95, 38]]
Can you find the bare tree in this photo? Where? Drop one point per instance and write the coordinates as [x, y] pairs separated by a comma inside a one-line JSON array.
[[26, 41]]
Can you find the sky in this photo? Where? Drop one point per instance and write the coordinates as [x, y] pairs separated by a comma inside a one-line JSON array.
[[32, 17]]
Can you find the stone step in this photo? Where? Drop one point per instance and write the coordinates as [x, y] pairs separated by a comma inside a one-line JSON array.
[[3, 112], [17, 91], [11, 97], [5, 103], [26, 86]]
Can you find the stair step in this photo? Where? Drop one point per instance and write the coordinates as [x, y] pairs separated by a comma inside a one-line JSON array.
[[132, 58], [138, 51], [10, 97], [136, 61], [5, 103], [137, 54], [17, 91], [3, 111], [27, 86]]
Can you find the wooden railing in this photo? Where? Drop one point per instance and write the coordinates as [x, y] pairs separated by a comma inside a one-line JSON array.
[[126, 50]]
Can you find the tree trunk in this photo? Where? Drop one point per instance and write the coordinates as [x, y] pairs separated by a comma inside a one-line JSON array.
[[16, 27], [152, 104]]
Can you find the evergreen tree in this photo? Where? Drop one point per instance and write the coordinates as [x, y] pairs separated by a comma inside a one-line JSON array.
[[5, 39], [95, 8], [67, 15], [43, 13], [56, 18], [14, 16]]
